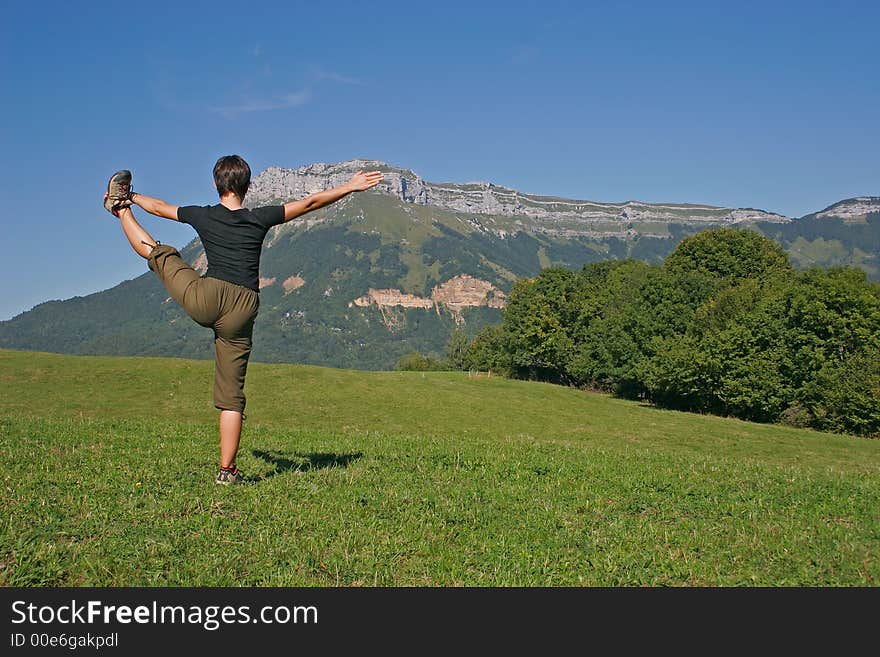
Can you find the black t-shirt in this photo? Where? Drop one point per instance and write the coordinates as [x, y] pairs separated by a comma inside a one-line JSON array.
[[232, 239]]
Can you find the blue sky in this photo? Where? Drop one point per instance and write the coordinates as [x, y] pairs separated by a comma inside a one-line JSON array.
[[772, 105]]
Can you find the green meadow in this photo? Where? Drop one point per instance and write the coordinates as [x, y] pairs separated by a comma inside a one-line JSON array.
[[360, 478]]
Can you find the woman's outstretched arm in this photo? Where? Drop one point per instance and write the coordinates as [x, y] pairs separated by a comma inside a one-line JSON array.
[[155, 206], [358, 183]]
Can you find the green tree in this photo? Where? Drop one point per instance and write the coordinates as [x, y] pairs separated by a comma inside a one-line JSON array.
[[488, 351], [623, 308], [535, 324], [838, 309], [729, 254], [416, 362], [845, 396], [456, 350], [781, 348]]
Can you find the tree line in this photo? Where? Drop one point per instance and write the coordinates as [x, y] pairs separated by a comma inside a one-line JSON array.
[[725, 325]]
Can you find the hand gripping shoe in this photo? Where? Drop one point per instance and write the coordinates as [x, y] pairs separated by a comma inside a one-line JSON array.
[[118, 194]]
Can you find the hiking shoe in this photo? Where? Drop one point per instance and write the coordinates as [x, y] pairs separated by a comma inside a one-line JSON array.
[[229, 476], [118, 194]]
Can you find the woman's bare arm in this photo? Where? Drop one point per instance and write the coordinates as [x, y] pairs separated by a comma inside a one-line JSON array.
[[155, 206], [358, 183]]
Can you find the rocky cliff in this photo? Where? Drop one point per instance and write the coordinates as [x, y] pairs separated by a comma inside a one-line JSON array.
[[505, 210], [853, 209], [455, 295]]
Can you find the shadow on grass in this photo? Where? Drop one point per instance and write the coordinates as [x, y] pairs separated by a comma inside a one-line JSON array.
[[286, 461]]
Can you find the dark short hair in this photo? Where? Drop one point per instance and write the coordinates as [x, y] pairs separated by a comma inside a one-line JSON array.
[[232, 174]]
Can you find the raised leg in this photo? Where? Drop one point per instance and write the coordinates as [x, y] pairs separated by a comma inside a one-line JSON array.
[[141, 241]]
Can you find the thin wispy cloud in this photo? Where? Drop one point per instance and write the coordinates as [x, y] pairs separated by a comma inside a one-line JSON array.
[[249, 105], [254, 95], [319, 74]]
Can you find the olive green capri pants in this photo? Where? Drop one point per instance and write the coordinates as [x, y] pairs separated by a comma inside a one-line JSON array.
[[227, 308]]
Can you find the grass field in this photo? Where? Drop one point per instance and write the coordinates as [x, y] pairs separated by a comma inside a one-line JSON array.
[[411, 479]]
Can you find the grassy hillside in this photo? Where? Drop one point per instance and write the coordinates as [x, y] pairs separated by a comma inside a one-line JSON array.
[[404, 478]]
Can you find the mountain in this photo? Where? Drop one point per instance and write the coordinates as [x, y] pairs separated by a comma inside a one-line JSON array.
[[846, 233], [364, 281], [507, 210], [853, 210]]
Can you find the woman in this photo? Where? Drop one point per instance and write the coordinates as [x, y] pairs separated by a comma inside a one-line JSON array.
[[226, 298]]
